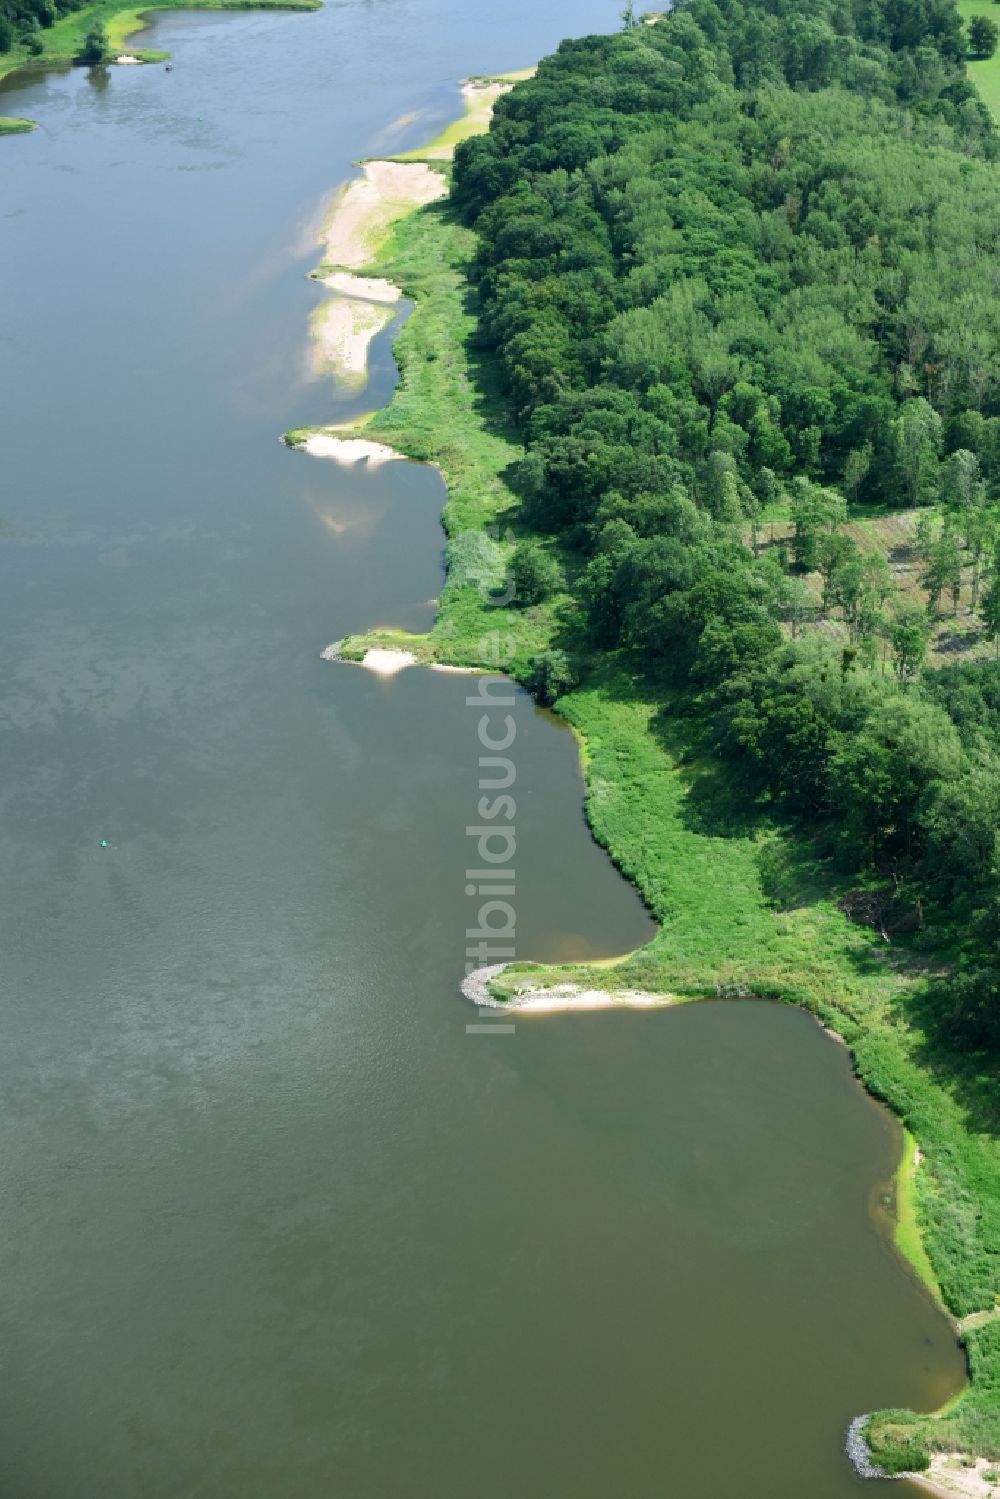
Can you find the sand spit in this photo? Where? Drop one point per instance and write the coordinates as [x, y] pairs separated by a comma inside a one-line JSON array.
[[559, 997], [366, 208], [383, 663], [350, 450], [342, 331]]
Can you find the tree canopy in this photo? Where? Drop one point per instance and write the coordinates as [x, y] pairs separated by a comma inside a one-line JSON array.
[[745, 260]]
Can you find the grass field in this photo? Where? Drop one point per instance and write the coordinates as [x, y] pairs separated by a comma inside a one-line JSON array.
[[744, 907], [985, 75]]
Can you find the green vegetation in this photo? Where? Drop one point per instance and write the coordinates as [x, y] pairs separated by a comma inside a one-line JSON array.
[[909, 1240], [49, 32], [733, 271]]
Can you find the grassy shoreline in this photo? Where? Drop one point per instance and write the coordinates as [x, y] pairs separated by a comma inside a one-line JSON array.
[[744, 908], [61, 42]]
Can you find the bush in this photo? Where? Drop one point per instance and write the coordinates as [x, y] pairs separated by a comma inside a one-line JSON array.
[[895, 1443], [533, 573], [96, 47], [549, 676], [984, 35]]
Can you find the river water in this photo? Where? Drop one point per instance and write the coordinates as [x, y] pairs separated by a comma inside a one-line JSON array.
[[273, 1222]]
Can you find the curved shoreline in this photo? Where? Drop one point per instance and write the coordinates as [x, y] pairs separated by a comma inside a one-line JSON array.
[[469, 475]]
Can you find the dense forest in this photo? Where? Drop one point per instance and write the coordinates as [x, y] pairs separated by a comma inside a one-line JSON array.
[[742, 266]]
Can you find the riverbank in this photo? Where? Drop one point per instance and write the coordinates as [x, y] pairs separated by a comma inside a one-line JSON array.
[[745, 908], [357, 228], [61, 43]]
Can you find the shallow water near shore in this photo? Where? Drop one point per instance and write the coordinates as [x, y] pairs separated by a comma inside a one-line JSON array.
[[274, 1223]]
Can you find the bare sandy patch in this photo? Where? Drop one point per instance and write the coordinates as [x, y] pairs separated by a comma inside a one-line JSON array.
[[343, 330], [570, 997], [366, 208], [948, 1476], [349, 450], [387, 663]]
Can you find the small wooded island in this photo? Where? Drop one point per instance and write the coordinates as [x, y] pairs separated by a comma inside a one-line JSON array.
[[49, 32]]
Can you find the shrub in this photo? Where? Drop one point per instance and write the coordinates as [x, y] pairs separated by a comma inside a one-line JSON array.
[[533, 573], [549, 676]]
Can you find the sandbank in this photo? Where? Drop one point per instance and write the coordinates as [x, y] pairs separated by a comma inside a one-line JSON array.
[[349, 450], [343, 330]]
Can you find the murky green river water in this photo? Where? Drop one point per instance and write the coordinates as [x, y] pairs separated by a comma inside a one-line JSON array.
[[272, 1222]]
